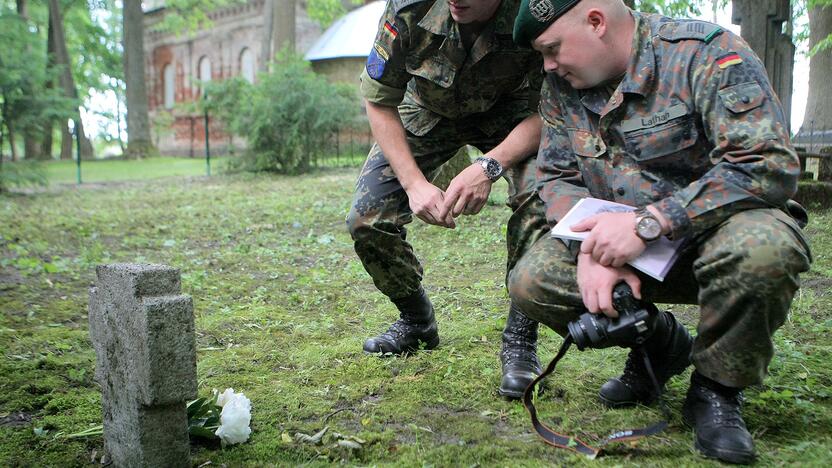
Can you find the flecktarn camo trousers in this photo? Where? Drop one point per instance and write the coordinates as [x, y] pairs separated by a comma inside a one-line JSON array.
[[743, 275]]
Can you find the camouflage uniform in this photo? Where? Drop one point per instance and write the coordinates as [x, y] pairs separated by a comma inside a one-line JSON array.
[[447, 98], [695, 130]]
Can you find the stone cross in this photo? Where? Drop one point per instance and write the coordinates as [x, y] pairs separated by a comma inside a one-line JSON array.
[[142, 330], [762, 27]]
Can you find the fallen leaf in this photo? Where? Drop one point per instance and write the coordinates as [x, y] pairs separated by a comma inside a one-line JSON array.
[[350, 444], [314, 439]]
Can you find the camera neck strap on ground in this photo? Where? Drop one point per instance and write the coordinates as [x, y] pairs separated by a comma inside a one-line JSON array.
[[572, 443]]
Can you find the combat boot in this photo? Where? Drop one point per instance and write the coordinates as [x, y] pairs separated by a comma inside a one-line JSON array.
[[713, 411], [414, 330], [518, 354], [669, 350]]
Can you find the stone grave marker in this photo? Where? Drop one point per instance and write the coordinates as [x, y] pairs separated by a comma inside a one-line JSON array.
[[142, 329]]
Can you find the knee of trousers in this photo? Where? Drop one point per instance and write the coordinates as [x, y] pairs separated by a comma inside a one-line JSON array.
[[360, 227], [540, 299], [773, 259]]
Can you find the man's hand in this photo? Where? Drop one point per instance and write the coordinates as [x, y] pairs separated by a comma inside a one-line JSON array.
[[426, 203], [467, 193], [612, 240], [597, 281]]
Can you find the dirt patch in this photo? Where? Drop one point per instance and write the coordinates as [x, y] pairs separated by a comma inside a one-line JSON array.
[[10, 279], [821, 286], [19, 419]]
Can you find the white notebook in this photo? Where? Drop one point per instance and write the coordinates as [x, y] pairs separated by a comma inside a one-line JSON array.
[[655, 261]]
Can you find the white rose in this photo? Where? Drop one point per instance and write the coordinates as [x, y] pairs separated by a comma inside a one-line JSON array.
[[234, 418], [223, 397]]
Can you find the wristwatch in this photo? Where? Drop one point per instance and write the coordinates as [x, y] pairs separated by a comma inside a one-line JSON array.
[[647, 227], [492, 168]]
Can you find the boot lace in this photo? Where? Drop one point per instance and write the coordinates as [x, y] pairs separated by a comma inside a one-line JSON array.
[[635, 374], [725, 409], [518, 352], [398, 330]]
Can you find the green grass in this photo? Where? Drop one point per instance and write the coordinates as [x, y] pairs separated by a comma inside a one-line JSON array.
[[65, 172], [282, 306]]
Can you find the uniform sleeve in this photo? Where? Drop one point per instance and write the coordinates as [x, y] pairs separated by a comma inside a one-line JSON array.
[[385, 78], [754, 164], [560, 182]]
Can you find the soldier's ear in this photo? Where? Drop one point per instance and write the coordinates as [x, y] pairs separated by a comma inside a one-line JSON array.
[[597, 20]]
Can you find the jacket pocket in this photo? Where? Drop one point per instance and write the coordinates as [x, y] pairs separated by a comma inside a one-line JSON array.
[[586, 144], [742, 97], [671, 138]]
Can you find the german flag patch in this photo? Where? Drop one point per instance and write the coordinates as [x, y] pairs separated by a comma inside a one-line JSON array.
[[727, 60], [391, 29]]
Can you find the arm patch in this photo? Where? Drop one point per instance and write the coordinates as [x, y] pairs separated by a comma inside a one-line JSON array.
[[689, 29]]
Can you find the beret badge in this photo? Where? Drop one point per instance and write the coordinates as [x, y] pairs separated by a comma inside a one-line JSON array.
[[542, 10]]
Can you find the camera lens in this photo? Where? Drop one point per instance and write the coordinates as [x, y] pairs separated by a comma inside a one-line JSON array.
[[587, 330]]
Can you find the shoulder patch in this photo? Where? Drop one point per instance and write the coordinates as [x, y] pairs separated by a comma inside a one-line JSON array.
[[689, 29], [398, 5], [376, 63]]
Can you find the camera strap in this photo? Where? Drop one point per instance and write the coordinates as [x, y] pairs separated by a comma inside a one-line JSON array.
[[573, 443]]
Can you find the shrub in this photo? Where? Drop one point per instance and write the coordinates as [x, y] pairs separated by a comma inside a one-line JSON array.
[[290, 116], [21, 174]]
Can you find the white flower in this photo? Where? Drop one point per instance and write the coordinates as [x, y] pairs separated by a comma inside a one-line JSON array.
[[234, 418], [223, 397]]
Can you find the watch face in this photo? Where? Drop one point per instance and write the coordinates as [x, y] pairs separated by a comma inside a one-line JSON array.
[[648, 228], [491, 167]]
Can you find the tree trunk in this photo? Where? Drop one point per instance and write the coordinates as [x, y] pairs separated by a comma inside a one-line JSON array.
[[67, 82], [31, 148], [118, 119], [49, 124], [2, 187], [818, 116], [12, 145], [279, 29], [139, 143]]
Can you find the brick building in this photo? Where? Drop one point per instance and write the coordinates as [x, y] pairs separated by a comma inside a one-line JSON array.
[[235, 45]]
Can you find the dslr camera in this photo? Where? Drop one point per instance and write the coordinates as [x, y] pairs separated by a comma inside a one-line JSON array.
[[632, 327]]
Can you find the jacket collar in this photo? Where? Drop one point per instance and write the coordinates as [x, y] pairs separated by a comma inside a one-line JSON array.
[[641, 72], [438, 19], [639, 77]]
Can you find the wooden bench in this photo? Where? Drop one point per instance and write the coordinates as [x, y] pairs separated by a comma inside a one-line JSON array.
[[824, 157]]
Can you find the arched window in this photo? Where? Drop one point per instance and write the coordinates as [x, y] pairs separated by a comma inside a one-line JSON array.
[[204, 71], [247, 65], [167, 77]]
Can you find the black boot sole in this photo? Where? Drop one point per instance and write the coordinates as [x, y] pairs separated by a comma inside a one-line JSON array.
[[615, 404], [516, 395], [431, 343]]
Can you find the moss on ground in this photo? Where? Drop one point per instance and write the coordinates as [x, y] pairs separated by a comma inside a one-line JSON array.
[[282, 306]]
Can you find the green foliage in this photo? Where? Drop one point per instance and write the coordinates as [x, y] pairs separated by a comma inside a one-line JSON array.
[[227, 100], [190, 15], [21, 174], [204, 417], [672, 8], [282, 305], [25, 101], [162, 124], [290, 116], [325, 12], [824, 44]]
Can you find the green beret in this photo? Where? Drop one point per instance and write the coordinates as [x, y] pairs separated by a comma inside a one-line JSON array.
[[537, 15]]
